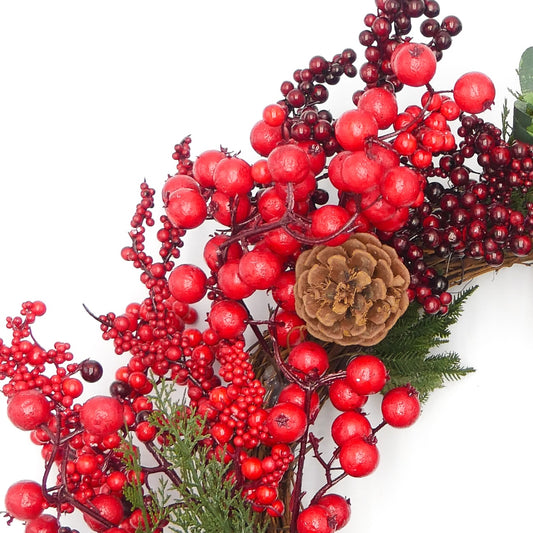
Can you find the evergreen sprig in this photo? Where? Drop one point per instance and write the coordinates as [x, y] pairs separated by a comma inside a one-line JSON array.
[[197, 497], [407, 349]]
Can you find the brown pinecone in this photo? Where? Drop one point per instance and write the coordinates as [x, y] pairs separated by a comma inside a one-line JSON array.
[[352, 293]]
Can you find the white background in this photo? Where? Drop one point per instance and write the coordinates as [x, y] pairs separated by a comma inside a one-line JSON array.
[[93, 97]]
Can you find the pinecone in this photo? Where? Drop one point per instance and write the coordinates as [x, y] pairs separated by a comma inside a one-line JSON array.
[[352, 293]]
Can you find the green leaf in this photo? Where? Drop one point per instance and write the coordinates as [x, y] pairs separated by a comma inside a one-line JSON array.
[[525, 71], [528, 98], [522, 122]]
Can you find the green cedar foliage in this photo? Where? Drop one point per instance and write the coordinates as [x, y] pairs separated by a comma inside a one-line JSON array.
[[407, 349], [197, 497]]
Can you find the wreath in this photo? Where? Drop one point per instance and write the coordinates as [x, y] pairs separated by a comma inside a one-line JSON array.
[[340, 260]]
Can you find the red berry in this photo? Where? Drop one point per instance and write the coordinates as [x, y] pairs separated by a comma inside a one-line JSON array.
[[42, 524], [102, 415], [343, 397], [24, 500], [109, 507], [274, 115], [360, 173], [233, 176], [290, 328], [260, 172], [358, 458], [314, 519], [474, 92], [366, 374], [228, 210], [400, 406], [178, 181], [28, 409], [414, 64], [187, 283], [228, 319], [204, 167], [260, 268], [288, 163], [264, 137], [328, 220], [400, 186], [353, 127], [381, 103], [348, 425], [338, 509], [286, 423], [308, 358], [281, 242], [213, 255], [186, 208], [230, 282], [283, 290], [251, 468], [293, 393]]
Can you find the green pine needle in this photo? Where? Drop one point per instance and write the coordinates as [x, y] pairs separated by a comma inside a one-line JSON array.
[[407, 349], [198, 497]]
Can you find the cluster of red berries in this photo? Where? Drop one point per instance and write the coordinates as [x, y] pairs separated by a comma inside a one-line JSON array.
[[399, 174]]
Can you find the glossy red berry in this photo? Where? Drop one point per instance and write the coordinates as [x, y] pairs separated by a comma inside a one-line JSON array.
[[338, 509], [327, 221], [102, 415], [231, 283], [308, 359], [348, 425], [233, 176], [353, 127], [204, 167], [187, 283], [366, 374], [186, 208], [42, 524], [286, 423], [28, 409], [283, 290], [381, 103], [343, 397], [360, 172], [414, 64], [400, 406], [109, 507], [274, 115], [251, 468], [474, 92], [24, 500], [264, 137], [228, 318], [260, 268], [288, 163], [358, 457], [400, 186], [314, 519], [178, 181], [293, 393]]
